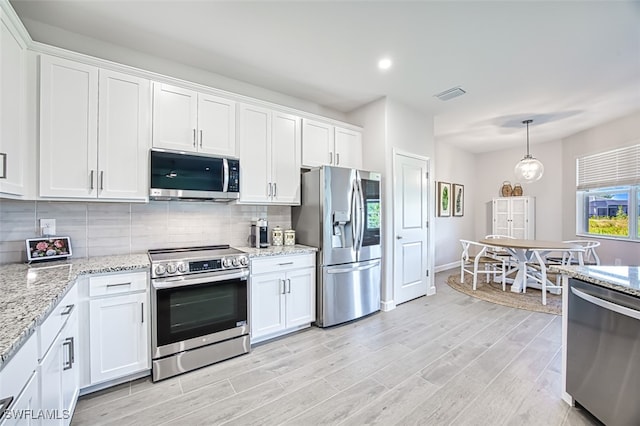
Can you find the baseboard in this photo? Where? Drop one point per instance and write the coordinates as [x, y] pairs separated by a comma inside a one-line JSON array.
[[447, 266], [386, 306]]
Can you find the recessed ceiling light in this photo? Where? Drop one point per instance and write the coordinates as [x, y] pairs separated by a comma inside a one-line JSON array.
[[384, 64]]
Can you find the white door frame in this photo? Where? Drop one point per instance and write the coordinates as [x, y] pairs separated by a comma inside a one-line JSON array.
[[430, 219]]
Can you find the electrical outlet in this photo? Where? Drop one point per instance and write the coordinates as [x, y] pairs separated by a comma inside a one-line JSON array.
[[617, 262], [47, 227]]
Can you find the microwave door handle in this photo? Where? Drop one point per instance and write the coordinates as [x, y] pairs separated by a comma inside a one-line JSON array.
[[225, 175]]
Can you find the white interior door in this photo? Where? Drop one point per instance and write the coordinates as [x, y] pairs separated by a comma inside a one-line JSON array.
[[410, 227]]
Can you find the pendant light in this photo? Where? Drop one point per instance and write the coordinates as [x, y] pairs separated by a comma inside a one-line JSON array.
[[529, 169]]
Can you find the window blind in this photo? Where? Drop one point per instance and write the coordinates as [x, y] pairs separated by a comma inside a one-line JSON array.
[[611, 168]]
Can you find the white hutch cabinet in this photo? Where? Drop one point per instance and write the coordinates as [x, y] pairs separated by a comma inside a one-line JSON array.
[[514, 217]]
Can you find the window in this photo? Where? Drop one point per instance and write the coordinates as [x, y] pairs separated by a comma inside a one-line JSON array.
[[608, 194]]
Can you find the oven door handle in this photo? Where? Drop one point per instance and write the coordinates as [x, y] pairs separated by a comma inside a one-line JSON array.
[[186, 281]]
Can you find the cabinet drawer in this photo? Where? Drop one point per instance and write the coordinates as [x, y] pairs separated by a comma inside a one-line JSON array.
[[282, 263], [56, 320], [117, 283]]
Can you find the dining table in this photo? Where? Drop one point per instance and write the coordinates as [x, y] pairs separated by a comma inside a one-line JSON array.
[[523, 251]]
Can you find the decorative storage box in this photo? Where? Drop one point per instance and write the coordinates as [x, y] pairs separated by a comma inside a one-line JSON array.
[[277, 236], [289, 237]]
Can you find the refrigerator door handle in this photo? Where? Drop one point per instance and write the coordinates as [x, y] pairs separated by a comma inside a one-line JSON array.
[[361, 214], [354, 269], [354, 214]]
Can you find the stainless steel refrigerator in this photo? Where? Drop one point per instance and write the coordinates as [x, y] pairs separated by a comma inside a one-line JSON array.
[[340, 213]]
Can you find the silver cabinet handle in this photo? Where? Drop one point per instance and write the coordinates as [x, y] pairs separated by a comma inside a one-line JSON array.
[[285, 263], [289, 281], [4, 165], [117, 285], [622, 310], [101, 180], [269, 190], [67, 310], [68, 342], [330, 157], [284, 286], [337, 158], [194, 138], [275, 190], [200, 138], [142, 312], [91, 179]]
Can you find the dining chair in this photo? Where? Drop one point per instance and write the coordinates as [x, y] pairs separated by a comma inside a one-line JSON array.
[[501, 251], [474, 255], [572, 257], [537, 271]]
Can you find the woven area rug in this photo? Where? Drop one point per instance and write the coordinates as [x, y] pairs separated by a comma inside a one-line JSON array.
[[492, 292]]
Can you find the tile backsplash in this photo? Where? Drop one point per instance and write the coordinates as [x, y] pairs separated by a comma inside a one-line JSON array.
[[98, 229]]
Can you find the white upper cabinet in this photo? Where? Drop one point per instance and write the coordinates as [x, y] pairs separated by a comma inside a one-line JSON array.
[[269, 157], [68, 128], [317, 143], [77, 161], [325, 144], [123, 136], [514, 217], [12, 135], [348, 145], [185, 120]]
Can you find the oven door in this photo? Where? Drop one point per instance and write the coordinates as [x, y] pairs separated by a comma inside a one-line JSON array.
[[189, 312]]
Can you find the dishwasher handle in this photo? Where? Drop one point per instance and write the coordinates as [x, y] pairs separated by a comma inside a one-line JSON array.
[[622, 310]]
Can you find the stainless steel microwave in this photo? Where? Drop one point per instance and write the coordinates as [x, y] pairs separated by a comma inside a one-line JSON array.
[[180, 176]]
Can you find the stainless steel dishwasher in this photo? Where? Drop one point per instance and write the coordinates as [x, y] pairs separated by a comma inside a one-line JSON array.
[[603, 352]]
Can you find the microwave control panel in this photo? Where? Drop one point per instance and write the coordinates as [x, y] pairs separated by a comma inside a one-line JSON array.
[[234, 176]]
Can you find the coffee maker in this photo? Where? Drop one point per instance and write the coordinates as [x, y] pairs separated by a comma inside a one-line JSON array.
[[259, 236]]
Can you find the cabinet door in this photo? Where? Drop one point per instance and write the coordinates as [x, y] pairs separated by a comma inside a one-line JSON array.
[[285, 160], [216, 125], [124, 136], [317, 144], [51, 380], [267, 304], [519, 218], [255, 155], [348, 148], [300, 297], [174, 117], [119, 342], [501, 217], [12, 137], [27, 402], [68, 128], [71, 365]]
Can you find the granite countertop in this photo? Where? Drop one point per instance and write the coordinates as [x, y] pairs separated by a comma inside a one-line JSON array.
[[277, 250], [625, 279], [30, 292]]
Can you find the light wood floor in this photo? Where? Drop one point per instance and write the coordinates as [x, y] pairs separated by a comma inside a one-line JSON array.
[[439, 360]]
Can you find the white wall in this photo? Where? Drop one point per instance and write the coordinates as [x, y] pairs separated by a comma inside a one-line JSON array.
[[615, 134], [454, 165], [493, 168]]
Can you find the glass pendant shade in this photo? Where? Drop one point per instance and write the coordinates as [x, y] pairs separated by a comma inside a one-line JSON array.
[[528, 169]]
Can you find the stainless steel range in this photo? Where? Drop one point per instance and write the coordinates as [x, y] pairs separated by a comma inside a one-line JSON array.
[[198, 307]]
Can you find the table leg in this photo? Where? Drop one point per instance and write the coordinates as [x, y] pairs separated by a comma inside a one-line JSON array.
[[518, 281]]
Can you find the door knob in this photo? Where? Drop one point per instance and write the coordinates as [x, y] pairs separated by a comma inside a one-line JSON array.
[[398, 237]]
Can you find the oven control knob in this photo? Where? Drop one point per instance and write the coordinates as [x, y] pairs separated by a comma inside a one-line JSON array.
[[235, 261], [171, 268], [226, 262], [160, 270], [244, 261], [182, 268]]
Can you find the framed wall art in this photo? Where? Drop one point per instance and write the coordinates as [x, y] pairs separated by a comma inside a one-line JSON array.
[[444, 199], [458, 200]]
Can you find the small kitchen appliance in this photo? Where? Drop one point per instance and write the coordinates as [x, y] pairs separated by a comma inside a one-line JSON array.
[[259, 234], [199, 308]]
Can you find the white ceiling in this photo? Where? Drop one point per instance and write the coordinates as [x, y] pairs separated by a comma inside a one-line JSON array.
[[568, 65]]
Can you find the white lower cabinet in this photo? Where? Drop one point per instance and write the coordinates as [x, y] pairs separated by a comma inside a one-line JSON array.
[[118, 331], [282, 295], [27, 402]]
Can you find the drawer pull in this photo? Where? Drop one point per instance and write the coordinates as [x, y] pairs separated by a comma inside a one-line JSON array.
[[68, 342], [117, 285], [286, 263], [67, 310]]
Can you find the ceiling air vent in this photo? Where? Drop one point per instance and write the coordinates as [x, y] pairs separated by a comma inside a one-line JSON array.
[[450, 93]]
